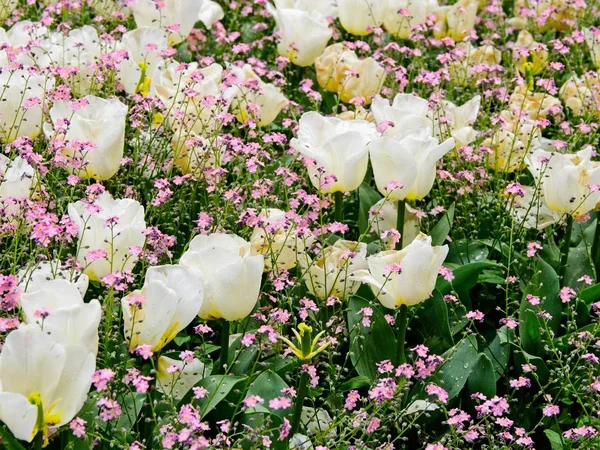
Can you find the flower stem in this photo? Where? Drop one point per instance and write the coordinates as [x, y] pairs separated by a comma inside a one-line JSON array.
[[223, 359], [565, 247], [302, 388], [400, 222], [38, 442], [402, 322], [339, 206], [595, 249]]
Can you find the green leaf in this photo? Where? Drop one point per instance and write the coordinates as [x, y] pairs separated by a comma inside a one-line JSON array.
[[218, 386], [482, 378], [431, 322], [440, 231], [555, 439], [465, 277], [367, 198], [241, 358], [465, 251], [8, 441], [578, 264], [522, 357], [591, 294], [268, 385], [498, 351], [132, 406], [369, 345], [355, 383], [459, 362]]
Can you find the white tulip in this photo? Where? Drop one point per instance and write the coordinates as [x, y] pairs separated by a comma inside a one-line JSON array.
[[403, 15], [58, 308], [317, 421], [167, 303], [409, 162], [404, 277], [365, 79], [327, 8], [6, 8], [338, 146], [230, 273], [592, 38], [531, 210], [144, 48], [22, 97], [102, 123], [331, 66], [79, 49], [329, 273], [176, 17], [16, 178], [33, 277], [177, 384], [383, 216], [459, 121], [304, 35], [250, 89], [40, 376], [300, 442], [97, 234], [360, 17], [210, 13], [569, 183], [407, 114], [455, 21]]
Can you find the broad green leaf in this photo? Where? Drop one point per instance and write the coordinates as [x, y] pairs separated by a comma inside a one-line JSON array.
[[367, 198], [482, 378], [241, 358], [440, 231], [591, 294], [579, 264], [355, 383], [498, 351], [459, 362], [556, 442], [218, 386], [465, 277], [522, 357], [132, 404], [8, 440], [268, 385], [465, 251], [430, 321], [372, 344]]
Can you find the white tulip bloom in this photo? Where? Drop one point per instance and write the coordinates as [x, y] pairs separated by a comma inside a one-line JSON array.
[[43, 382], [230, 273], [406, 169], [455, 21], [58, 308], [304, 35], [16, 178], [592, 38], [360, 17], [340, 147], [383, 216], [210, 13], [458, 121], [6, 8], [531, 210], [407, 114], [402, 15], [365, 79], [33, 277], [100, 122], [327, 8], [144, 48], [22, 96], [176, 17], [251, 90], [317, 421], [103, 246], [329, 273], [167, 303], [177, 384], [404, 277], [569, 183]]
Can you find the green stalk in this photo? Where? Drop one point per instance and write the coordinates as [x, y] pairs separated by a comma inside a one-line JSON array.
[[595, 246], [223, 359], [566, 247], [339, 206], [302, 388], [400, 222], [402, 322]]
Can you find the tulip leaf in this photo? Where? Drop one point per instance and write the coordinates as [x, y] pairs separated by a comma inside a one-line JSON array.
[[459, 362], [578, 265], [269, 385], [498, 350], [591, 294], [367, 198], [556, 442], [465, 251], [440, 231], [8, 441], [372, 344], [241, 358], [482, 378], [522, 357], [465, 277], [355, 383], [132, 404], [431, 322], [218, 386]]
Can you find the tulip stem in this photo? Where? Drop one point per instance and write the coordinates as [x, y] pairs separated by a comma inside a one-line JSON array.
[[302, 388], [595, 248], [223, 359], [38, 443], [400, 222], [402, 322], [565, 247], [339, 206]]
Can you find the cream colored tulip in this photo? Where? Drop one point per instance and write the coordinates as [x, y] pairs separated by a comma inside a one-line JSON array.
[[461, 70], [331, 66], [6, 8], [167, 303], [96, 234], [337, 146], [567, 181], [359, 113], [405, 169], [403, 15], [406, 115], [360, 17], [43, 383], [328, 274], [536, 105], [33, 277], [16, 179], [176, 17], [383, 216], [457, 20], [365, 80], [531, 210], [404, 277], [304, 35], [557, 15], [592, 38], [176, 384], [317, 421], [581, 94], [100, 122], [250, 89], [327, 8], [536, 59], [231, 275], [195, 154], [458, 121], [210, 13], [22, 96]]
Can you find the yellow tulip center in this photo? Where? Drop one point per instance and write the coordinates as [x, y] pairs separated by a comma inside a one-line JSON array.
[[46, 418]]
